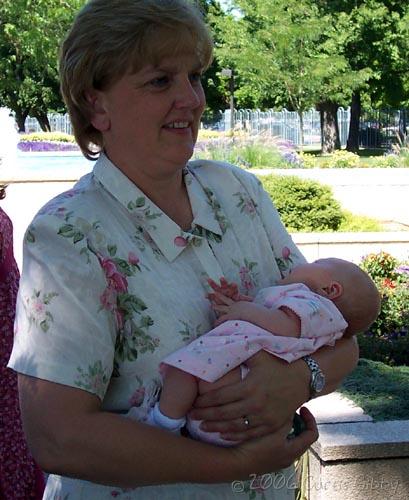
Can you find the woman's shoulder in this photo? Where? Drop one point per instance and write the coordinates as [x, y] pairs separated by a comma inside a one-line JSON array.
[[75, 200], [220, 171]]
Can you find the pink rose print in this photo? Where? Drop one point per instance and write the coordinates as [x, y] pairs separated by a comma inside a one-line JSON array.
[[38, 307], [137, 397], [115, 279], [179, 241], [119, 316], [133, 259], [245, 278], [285, 252], [108, 299]]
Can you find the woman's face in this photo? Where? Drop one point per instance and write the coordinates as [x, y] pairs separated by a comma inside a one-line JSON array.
[[150, 119]]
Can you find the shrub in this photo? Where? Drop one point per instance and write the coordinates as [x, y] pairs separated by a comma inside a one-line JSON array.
[[304, 205], [308, 160], [359, 223], [387, 339], [246, 151], [341, 159], [47, 137], [389, 161]]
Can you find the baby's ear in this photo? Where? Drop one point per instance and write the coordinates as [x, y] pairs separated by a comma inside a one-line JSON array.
[[334, 290]]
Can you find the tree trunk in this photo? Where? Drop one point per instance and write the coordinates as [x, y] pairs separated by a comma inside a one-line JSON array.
[[21, 119], [402, 125], [300, 115], [329, 126], [42, 119], [353, 136]]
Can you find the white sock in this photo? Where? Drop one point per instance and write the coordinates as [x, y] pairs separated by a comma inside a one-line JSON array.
[[158, 419]]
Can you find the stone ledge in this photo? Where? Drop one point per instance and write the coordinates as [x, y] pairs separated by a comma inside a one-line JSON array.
[[348, 434], [363, 440]]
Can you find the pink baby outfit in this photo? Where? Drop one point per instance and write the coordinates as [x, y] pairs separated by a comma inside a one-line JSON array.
[[230, 344]]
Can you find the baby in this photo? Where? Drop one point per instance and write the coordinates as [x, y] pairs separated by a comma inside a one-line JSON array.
[[313, 306]]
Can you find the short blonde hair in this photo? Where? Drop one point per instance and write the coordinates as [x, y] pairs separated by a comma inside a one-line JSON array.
[[111, 37]]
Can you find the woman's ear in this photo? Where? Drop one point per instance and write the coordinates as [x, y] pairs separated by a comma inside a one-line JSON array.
[[99, 115], [333, 290]]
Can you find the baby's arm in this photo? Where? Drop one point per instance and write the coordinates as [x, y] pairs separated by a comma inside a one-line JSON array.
[[282, 321]]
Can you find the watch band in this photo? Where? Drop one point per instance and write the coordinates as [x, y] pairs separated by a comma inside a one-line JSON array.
[[317, 382]]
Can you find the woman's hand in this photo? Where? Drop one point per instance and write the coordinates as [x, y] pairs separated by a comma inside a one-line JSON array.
[[268, 398], [275, 451]]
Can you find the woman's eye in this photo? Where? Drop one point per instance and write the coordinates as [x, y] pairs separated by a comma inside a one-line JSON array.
[[195, 77], [159, 82]]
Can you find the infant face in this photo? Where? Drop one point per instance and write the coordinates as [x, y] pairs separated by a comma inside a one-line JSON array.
[[315, 275]]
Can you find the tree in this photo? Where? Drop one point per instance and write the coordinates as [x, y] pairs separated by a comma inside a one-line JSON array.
[[289, 49], [376, 43], [30, 34]]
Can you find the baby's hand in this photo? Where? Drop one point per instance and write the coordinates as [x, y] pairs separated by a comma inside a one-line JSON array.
[[230, 290], [228, 309]]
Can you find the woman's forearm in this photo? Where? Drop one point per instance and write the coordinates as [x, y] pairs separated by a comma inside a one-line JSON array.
[[336, 362], [69, 435], [113, 450]]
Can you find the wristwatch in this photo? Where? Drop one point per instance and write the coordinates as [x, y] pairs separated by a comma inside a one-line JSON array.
[[317, 382]]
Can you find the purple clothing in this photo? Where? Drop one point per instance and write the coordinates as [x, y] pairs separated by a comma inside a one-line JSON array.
[[20, 478]]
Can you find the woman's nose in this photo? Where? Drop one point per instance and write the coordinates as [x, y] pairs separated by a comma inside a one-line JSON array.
[[189, 95]]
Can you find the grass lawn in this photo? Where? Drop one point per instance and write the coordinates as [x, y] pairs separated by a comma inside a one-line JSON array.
[[380, 390]]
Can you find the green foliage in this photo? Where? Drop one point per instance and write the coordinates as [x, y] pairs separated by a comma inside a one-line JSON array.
[[380, 266], [304, 205], [341, 159], [359, 223], [30, 34], [392, 325], [47, 136], [389, 161], [247, 155], [287, 50], [382, 391]]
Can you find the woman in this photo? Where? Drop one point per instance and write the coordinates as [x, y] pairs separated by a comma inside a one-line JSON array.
[[20, 478], [115, 275]]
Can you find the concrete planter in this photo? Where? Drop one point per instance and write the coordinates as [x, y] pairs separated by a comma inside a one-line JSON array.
[[352, 246], [354, 457]]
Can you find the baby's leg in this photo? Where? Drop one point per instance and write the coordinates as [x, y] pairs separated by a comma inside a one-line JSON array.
[[231, 377], [178, 393]]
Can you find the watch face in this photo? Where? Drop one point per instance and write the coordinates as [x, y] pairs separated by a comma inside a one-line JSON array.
[[318, 382]]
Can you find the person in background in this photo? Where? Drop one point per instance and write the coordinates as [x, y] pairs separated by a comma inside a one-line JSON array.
[[116, 271], [20, 477]]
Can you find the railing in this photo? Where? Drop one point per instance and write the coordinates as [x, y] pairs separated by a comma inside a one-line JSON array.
[[377, 129]]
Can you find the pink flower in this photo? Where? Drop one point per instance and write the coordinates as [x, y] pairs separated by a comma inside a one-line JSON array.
[[285, 252], [179, 241], [119, 319], [108, 266], [108, 299], [137, 397], [119, 282], [133, 259], [38, 307]]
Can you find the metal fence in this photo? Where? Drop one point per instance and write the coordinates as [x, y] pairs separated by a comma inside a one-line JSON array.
[[285, 124], [377, 128], [58, 123]]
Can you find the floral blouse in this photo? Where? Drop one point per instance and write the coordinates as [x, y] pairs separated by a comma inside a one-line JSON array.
[[111, 285]]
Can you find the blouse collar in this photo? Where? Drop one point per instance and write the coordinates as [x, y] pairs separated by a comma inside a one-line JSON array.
[[166, 234]]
